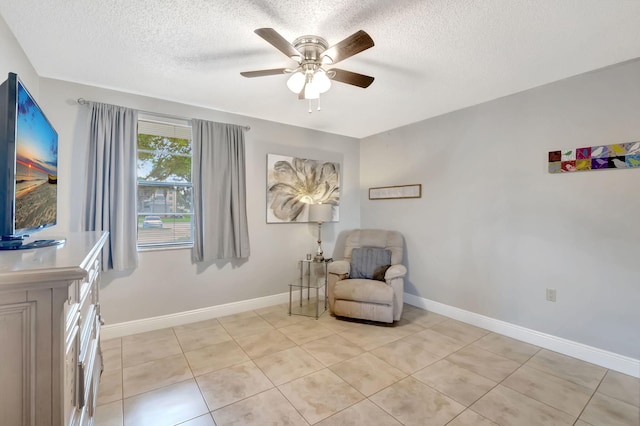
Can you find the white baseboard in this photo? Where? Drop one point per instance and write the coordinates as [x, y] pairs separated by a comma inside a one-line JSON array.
[[581, 351], [111, 331]]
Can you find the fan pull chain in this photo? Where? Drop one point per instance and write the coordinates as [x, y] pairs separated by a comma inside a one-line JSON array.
[[317, 105]]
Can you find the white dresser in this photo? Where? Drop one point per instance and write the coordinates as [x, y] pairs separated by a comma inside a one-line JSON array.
[[50, 360]]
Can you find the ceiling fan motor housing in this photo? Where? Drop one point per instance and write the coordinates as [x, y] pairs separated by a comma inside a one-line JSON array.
[[311, 47]]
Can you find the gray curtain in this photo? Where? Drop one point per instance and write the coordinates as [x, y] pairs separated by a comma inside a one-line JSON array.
[[110, 201], [219, 192]]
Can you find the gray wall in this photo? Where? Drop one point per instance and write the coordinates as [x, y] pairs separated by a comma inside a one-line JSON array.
[[494, 229], [13, 59], [167, 282]]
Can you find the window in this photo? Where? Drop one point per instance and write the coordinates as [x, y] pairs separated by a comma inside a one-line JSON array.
[[164, 196]]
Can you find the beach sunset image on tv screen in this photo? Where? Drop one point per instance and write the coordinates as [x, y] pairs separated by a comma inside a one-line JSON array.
[[36, 166]]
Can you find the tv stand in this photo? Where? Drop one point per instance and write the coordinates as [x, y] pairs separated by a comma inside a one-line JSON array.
[[50, 333]]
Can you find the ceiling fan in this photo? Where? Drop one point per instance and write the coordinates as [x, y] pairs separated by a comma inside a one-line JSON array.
[[313, 53]]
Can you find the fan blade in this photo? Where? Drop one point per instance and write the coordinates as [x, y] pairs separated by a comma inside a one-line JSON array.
[[276, 40], [349, 77], [348, 47], [263, 73]]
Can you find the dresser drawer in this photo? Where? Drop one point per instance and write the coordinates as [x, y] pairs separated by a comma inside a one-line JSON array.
[[85, 306], [86, 286], [70, 379], [71, 306], [89, 369], [85, 289], [94, 378], [87, 331], [72, 320]]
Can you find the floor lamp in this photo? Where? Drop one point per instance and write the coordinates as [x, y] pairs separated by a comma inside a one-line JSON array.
[[319, 213]]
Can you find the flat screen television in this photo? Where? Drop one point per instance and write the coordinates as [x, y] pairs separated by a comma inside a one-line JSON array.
[[29, 168]]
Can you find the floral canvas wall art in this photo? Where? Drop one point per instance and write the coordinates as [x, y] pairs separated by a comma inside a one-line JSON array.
[[294, 183]]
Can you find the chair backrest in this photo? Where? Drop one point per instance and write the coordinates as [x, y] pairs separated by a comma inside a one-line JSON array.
[[391, 240]]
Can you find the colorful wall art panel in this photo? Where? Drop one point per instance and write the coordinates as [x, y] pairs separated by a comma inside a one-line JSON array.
[[294, 183], [616, 156]]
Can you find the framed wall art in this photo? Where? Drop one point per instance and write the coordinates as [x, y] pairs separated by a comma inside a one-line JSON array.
[[393, 192], [293, 183], [615, 156]]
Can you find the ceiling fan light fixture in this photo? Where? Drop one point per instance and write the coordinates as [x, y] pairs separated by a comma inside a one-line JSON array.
[[295, 83], [311, 90], [321, 81]]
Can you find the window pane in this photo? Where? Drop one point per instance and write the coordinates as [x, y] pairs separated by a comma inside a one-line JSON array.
[[164, 199], [164, 229], [164, 159], [178, 129], [164, 214]]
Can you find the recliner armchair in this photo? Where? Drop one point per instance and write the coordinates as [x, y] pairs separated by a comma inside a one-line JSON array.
[[365, 298]]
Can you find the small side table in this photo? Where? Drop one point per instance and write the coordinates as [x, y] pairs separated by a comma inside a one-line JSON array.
[[313, 276]]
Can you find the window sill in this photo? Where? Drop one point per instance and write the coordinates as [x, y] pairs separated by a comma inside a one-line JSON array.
[[163, 247]]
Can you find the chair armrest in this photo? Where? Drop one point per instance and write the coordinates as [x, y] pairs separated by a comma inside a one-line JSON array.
[[395, 271], [339, 267]]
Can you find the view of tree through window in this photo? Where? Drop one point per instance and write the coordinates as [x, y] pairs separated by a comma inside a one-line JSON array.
[[165, 207]]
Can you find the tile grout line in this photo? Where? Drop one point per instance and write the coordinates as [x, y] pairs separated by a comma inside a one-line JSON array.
[[365, 397], [498, 383], [277, 387], [542, 402], [261, 370], [121, 380], [234, 364], [368, 398], [591, 397], [411, 375], [527, 396]]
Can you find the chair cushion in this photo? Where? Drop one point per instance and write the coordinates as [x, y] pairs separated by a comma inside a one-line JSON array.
[[368, 291], [380, 272], [365, 261]]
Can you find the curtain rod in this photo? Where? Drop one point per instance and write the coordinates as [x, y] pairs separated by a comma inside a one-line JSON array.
[[83, 101]]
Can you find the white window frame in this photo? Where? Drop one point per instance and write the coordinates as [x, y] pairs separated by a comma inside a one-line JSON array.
[[180, 125]]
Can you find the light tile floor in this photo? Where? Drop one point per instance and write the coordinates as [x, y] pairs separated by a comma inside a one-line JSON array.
[[265, 367]]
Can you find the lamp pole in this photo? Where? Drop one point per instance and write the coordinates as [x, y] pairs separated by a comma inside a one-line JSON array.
[[319, 254]]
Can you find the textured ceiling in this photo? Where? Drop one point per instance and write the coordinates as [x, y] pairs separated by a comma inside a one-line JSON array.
[[430, 56]]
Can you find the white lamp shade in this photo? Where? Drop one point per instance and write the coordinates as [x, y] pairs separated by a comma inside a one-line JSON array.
[[321, 81], [295, 83], [311, 90], [320, 213]]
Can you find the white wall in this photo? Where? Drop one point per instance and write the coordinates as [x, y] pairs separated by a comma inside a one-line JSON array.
[[494, 229], [167, 282]]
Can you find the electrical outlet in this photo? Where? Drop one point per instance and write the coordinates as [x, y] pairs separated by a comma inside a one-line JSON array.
[[551, 294]]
